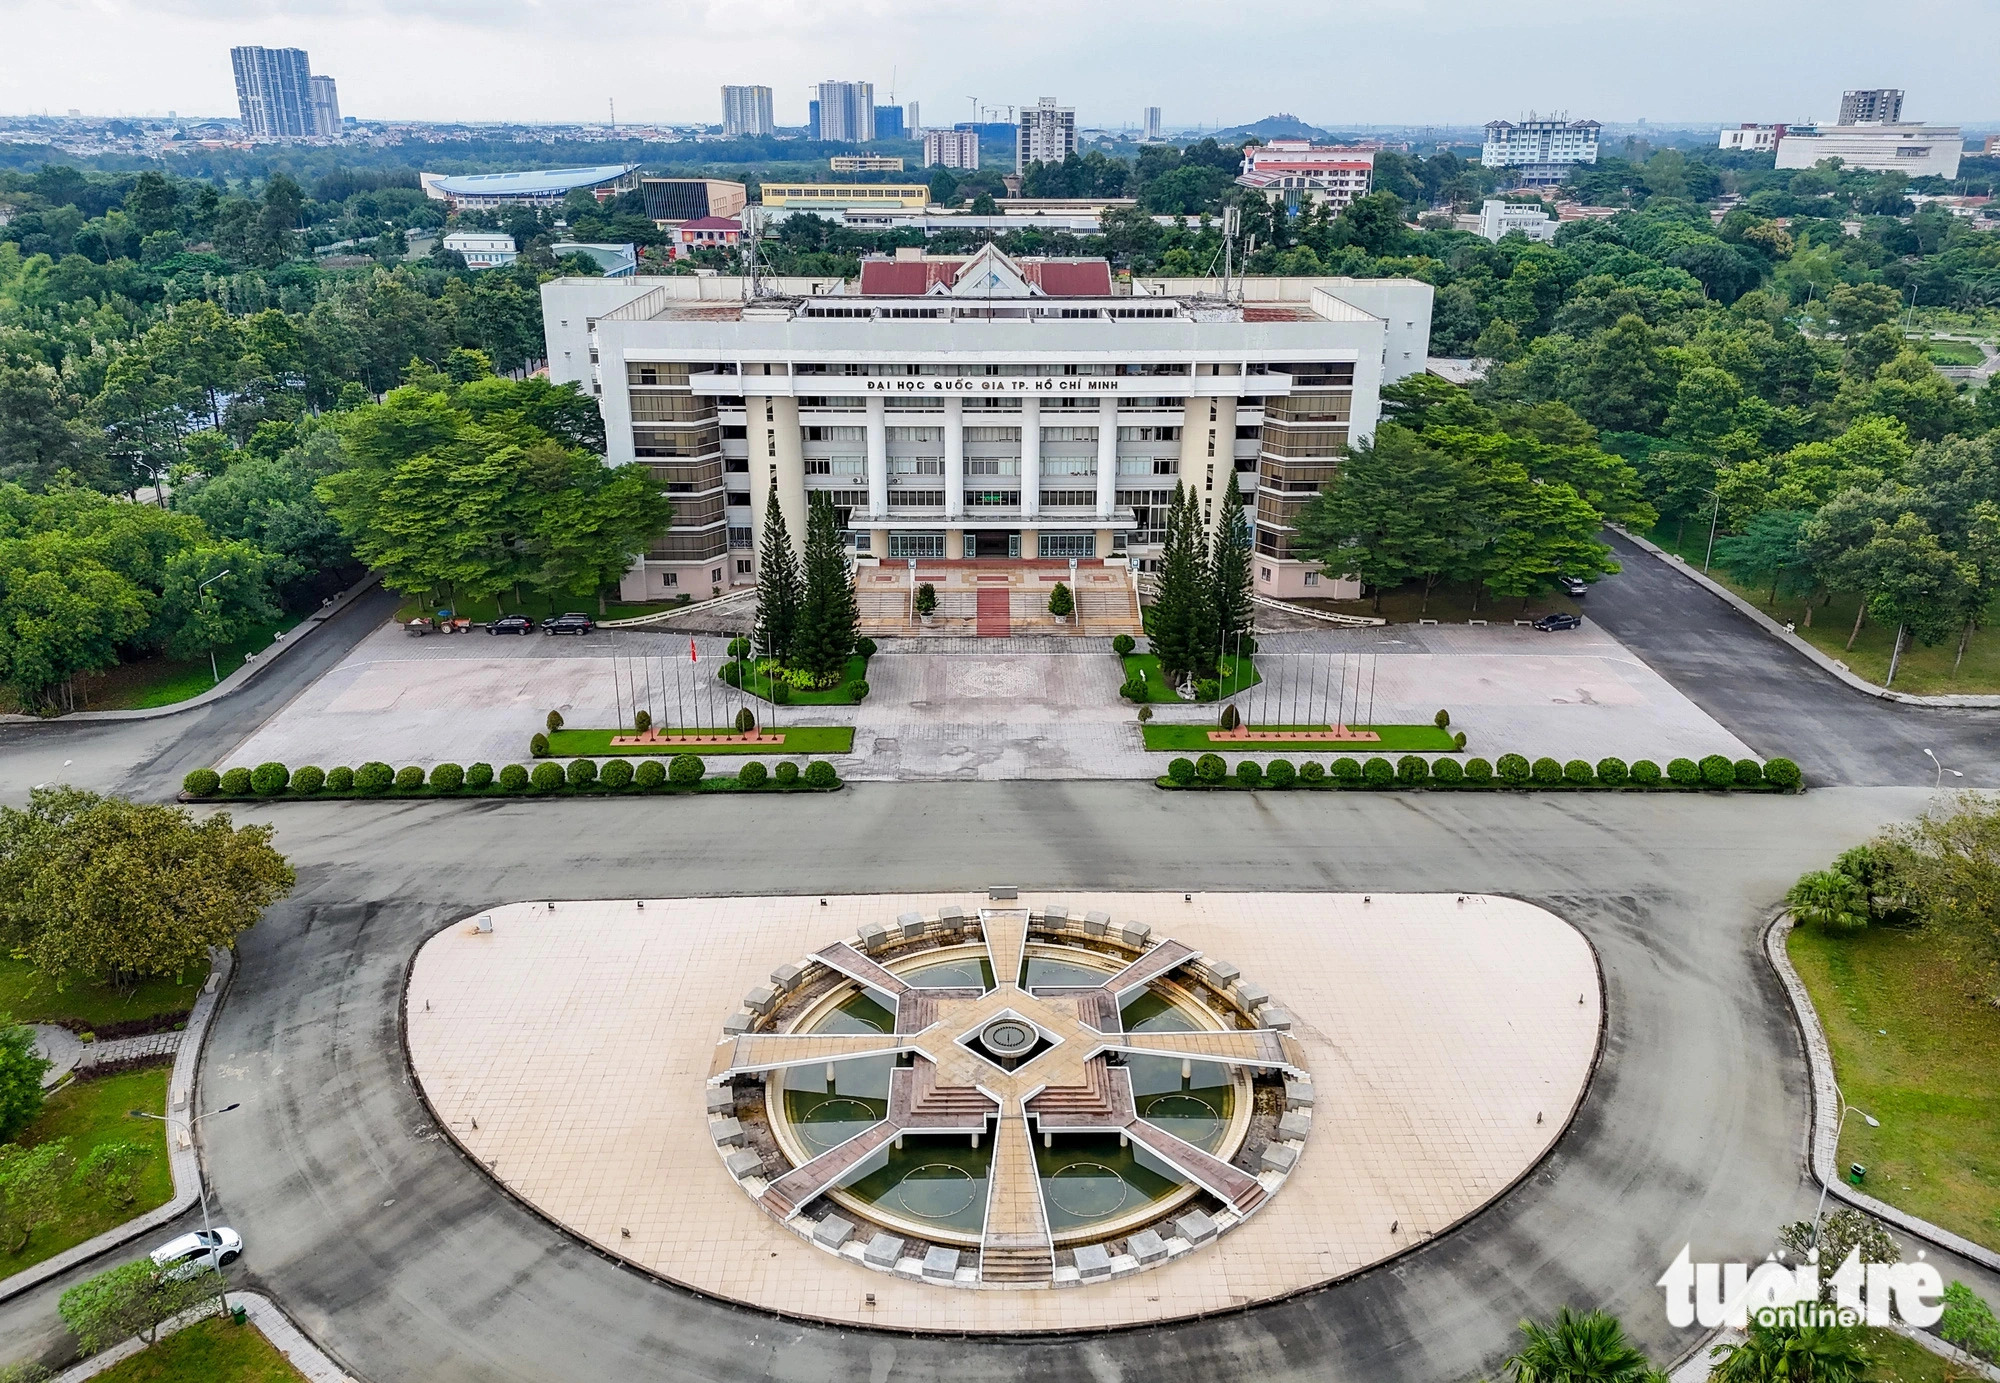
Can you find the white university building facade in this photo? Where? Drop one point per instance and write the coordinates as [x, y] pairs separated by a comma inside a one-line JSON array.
[[980, 408]]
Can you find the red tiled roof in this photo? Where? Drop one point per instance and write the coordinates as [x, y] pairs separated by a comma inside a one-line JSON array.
[[712, 223], [1071, 278], [904, 278]]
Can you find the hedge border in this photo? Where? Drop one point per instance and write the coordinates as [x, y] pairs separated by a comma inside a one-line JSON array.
[[493, 790], [1231, 784], [1248, 775]]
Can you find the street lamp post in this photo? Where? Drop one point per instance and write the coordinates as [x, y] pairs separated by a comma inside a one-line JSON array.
[[201, 1188], [1845, 1110], [215, 677], [1714, 515], [1941, 771]]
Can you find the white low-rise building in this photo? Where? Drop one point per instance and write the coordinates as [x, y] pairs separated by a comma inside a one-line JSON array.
[[483, 249], [1919, 150], [1298, 172], [981, 407], [1751, 139], [1498, 218]]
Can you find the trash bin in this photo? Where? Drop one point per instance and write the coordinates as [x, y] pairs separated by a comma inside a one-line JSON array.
[[1856, 1173]]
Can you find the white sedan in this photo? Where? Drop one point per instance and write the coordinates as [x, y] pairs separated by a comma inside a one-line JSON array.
[[202, 1251]]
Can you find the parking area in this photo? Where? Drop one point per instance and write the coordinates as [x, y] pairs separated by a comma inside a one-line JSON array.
[[990, 708]]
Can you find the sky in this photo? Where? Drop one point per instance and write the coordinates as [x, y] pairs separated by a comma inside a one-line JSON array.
[[1347, 63]]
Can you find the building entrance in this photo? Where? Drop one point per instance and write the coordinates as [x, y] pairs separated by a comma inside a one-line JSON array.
[[990, 543]]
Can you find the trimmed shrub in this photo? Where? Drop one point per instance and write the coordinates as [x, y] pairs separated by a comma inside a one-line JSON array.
[[1717, 771], [1210, 768], [787, 773], [1645, 772], [1546, 770], [409, 779], [865, 646], [202, 782], [926, 600], [1578, 771], [1478, 771], [538, 747], [819, 774], [1378, 772], [340, 779], [1122, 645], [739, 647], [447, 777], [1442, 720], [1312, 773], [642, 721], [1412, 770], [1207, 689], [479, 776], [1134, 689], [732, 674], [746, 721], [752, 775], [581, 773], [1783, 773], [1686, 772], [1514, 769], [546, 777], [1181, 771], [513, 778], [1281, 774], [1347, 773], [236, 782], [1458, 740], [649, 775], [1061, 602], [1145, 714], [616, 775], [373, 777], [308, 779], [685, 770], [1749, 773], [1229, 719], [858, 692], [554, 721], [1249, 773], [781, 694], [269, 779], [1612, 772], [1447, 771]]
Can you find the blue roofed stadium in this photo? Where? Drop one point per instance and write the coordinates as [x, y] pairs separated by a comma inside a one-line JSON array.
[[533, 187]]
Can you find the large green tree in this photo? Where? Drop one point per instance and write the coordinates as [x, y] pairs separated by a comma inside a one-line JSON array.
[[827, 620], [780, 587], [1181, 628], [1587, 1347], [1229, 568]]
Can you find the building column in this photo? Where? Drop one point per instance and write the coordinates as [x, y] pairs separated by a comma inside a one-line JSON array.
[[1195, 473], [1031, 460], [878, 457], [771, 430], [1107, 458], [1225, 456], [954, 459]]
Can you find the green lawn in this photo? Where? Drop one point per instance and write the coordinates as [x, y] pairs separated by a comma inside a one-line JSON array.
[[1913, 1049], [1954, 352], [1897, 1360], [1396, 739], [758, 685], [152, 682], [30, 996], [806, 739], [1237, 673], [1922, 671], [213, 1351], [90, 1112]]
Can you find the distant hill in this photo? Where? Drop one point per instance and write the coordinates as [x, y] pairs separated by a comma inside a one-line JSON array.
[[1279, 126]]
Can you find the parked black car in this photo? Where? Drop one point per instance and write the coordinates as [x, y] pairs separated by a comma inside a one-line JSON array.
[[571, 622], [1559, 621], [511, 624]]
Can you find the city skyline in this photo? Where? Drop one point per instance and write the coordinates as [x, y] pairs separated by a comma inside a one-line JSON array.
[[121, 58]]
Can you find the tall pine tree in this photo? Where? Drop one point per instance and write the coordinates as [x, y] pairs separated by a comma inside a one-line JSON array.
[[779, 587], [1229, 568], [824, 639], [1183, 627]]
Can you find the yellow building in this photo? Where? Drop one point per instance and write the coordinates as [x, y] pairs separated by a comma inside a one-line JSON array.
[[831, 196]]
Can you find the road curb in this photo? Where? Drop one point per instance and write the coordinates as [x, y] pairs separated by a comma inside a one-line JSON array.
[[182, 1161], [1826, 1104], [1955, 701], [269, 1318], [229, 685]]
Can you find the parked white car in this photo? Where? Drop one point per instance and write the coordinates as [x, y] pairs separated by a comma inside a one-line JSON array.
[[202, 1251]]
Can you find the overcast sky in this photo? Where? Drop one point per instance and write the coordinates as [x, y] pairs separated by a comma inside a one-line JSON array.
[[1345, 63]]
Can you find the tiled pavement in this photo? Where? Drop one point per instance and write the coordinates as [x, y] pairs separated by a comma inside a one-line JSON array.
[[154, 1044], [567, 1049]]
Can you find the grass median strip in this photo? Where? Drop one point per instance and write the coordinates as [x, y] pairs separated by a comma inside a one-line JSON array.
[[216, 1351], [1237, 674], [90, 1114], [1395, 739], [799, 739]]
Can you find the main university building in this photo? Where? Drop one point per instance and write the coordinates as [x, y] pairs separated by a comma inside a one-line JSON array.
[[983, 412]]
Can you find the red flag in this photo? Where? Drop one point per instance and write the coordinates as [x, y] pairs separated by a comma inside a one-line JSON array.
[[693, 657]]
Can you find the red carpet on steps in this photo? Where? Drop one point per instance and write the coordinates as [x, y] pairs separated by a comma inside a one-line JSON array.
[[993, 622]]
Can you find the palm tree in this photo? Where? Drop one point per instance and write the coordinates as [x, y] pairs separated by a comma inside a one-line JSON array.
[[1793, 1354], [1589, 1348], [1828, 899]]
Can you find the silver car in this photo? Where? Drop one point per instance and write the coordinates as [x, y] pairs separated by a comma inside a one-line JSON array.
[[202, 1251]]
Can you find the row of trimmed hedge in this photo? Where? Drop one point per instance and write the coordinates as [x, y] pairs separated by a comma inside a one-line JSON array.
[[1511, 771], [682, 773]]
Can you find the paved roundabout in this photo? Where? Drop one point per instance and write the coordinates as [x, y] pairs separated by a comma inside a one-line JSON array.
[[1006, 1094]]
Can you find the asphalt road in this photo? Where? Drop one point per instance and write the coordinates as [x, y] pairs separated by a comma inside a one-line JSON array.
[[1774, 699]]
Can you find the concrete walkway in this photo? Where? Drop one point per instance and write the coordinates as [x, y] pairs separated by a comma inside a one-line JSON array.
[[152, 1044], [60, 1047]]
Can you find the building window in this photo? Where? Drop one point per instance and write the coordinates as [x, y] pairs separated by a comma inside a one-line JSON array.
[[742, 566], [992, 466], [862, 540], [1312, 578], [1069, 499], [916, 545], [715, 575], [1068, 545], [819, 466], [740, 539], [916, 499], [986, 499], [669, 578], [1263, 573]]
